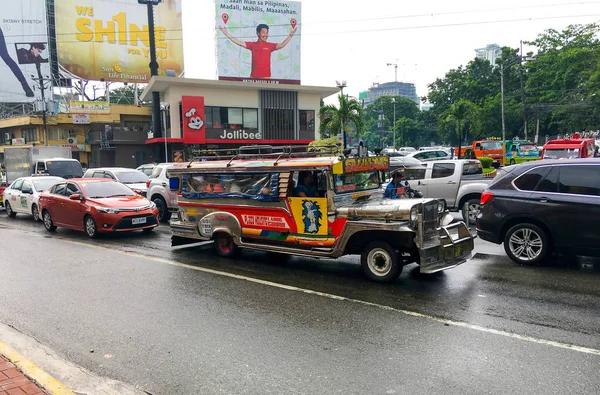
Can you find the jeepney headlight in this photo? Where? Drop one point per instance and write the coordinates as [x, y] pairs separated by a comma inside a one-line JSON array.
[[441, 206], [414, 215]]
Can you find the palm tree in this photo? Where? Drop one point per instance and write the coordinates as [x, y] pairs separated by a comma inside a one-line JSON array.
[[334, 118], [462, 115]]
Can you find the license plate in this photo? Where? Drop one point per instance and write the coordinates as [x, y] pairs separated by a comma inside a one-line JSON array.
[[458, 251], [138, 221]]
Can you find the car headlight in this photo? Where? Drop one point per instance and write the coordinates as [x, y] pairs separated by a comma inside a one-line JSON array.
[[152, 206], [107, 210]]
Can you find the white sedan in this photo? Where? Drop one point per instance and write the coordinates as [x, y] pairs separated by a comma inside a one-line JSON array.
[[22, 196]]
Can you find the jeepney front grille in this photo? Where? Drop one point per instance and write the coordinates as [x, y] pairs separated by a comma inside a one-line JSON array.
[[430, 219]]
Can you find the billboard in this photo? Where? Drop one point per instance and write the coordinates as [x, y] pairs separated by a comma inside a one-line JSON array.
[[258, 41], [89, 107], [108, 39], [23, 51]]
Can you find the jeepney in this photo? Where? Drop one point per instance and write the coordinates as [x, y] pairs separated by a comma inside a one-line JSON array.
[[519, 151], [251, 202]]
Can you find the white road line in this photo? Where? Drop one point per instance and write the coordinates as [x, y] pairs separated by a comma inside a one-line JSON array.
[[585, 350]]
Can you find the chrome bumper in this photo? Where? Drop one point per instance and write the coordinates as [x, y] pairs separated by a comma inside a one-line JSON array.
[[452, 246]]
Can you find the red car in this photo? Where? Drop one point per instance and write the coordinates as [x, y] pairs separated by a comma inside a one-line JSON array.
[[96, 206]]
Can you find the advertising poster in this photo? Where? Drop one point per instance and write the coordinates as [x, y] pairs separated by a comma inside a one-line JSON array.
[[109, 39], [23, 51], [89, 107], [258, 41]]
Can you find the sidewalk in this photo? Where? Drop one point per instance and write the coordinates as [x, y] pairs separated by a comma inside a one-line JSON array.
[[14, 382]]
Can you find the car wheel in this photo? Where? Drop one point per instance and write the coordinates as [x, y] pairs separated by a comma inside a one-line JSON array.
[[48, 223], [527, 244], [164, 214], [9, 210], [225, 246], [473, 208], [90, 227], [380, 262], [35, 212], [512, 162]]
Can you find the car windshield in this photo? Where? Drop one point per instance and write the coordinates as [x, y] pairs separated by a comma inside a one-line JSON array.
[[64, 168], [561, 153], [101, 190], [41, 184], [131, 177], [490, 145], [357, 181]]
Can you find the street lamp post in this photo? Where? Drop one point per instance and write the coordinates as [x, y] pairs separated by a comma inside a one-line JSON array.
[[342, 84], [503, 122], [156, 123], [394, 101]]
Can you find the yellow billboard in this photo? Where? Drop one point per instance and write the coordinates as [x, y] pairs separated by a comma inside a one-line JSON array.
[[109, 39]]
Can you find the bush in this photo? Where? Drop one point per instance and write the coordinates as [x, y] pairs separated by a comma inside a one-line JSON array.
[[486, 162]]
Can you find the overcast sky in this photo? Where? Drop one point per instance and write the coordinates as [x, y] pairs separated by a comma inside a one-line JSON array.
[[356, 42]]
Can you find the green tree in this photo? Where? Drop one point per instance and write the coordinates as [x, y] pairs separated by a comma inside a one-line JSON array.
[[461, 116], [348, 114], [125, 95]]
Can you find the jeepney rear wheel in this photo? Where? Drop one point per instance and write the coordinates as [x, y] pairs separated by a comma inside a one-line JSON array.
[[380, 262], [225, 246]]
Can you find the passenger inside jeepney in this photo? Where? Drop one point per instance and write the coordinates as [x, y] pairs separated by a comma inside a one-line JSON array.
[[306, 185]]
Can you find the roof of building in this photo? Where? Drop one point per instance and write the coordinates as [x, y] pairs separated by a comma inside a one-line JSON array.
[[161, 84]]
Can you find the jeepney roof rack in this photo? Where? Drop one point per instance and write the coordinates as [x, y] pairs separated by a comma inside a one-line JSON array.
[[265, 152]]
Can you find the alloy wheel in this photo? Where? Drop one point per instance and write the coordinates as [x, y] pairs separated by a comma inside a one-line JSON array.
[[526, 244]]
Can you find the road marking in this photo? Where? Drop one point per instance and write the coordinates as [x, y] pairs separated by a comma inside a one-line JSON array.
[[573, 347], [34, 372]]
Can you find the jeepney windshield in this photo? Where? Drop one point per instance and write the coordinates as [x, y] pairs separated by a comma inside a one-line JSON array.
[[527, 147], [356, 182]]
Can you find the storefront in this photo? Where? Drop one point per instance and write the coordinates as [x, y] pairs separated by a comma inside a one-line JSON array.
[[211, 114]]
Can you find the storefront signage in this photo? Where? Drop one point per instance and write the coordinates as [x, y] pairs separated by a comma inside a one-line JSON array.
[[81, 119], [192, 114], [89, 107], [20, 141], [239, 135], [355, 165], [75, 147]]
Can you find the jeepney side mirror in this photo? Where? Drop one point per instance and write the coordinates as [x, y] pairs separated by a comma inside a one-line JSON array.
[[174, 184]]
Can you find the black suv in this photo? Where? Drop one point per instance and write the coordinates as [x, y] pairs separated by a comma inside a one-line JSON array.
[[541, 207]]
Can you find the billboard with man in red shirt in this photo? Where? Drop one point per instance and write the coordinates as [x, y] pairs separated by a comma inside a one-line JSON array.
[[259, 43]]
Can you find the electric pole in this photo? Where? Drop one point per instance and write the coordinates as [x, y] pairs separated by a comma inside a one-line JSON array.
[[156, 123], [42, 83]]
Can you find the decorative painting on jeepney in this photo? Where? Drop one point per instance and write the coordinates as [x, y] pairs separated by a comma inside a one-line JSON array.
[[310, 215], [265, 221], [263, 187], [355, 165]]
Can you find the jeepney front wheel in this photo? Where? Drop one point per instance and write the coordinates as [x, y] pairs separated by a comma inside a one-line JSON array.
[[380, 262], [225, 246]]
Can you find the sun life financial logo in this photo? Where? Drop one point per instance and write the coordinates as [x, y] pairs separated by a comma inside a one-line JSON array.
[[239, 135]]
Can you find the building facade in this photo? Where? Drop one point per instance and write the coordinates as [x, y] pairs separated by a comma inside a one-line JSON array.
[[403, 89], [490, 53], [235, 114], [114, 139]]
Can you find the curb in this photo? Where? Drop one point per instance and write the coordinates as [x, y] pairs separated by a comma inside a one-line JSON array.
[[34, 372]]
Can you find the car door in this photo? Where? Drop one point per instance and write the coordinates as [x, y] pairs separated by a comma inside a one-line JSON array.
[[26, 197], [443, 183], [56, 205], [416, 178], [578, 199], [74, 210], [14, 194]]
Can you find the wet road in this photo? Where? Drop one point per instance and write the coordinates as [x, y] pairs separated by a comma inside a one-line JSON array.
[[186, 322]]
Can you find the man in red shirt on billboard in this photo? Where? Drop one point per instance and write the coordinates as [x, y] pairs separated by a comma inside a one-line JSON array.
[[261, 49]]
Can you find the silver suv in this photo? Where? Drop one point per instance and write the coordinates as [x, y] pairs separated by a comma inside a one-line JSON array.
[[160, 194]]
